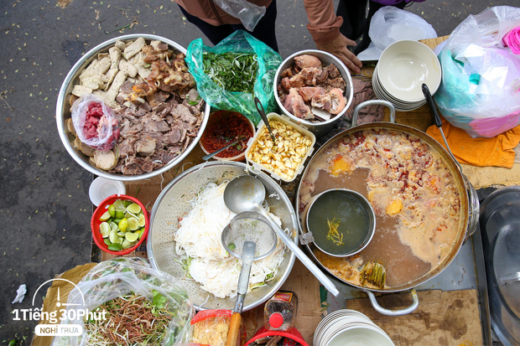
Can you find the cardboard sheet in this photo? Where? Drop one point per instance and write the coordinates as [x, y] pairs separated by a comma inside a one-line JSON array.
[[442, 318]]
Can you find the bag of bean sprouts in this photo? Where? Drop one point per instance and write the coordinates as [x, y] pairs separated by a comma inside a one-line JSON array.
[[126, 302]]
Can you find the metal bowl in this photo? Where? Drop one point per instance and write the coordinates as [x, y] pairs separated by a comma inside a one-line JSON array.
[[63, 112], [362, 201], [324, 127], [174, 203]]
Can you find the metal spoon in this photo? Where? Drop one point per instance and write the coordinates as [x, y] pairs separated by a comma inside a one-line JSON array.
[[247, 193], [209, 156], [261, 111]]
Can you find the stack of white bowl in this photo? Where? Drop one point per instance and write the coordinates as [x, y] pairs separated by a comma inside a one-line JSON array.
[[402, 69], [349, 328]]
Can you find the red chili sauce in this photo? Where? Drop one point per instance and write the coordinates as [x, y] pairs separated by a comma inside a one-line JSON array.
[[223, 129]]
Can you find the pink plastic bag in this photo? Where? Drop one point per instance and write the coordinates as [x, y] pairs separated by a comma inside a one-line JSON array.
[[512, 40], [95, 123]]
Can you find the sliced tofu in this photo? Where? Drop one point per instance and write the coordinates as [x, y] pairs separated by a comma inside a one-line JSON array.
[[103, 65], [80, 90], [134, 48], [112, 92], [138, 62], [120, 45], [115, 57], [127, 68], [110, 76]]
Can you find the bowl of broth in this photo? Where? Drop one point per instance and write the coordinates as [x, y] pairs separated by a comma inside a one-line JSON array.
[[342, 222]]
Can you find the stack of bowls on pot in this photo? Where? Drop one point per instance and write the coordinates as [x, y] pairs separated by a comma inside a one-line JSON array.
[[402, 69], [348, 328]]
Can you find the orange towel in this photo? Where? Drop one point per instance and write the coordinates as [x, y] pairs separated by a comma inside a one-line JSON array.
[[497, 151]]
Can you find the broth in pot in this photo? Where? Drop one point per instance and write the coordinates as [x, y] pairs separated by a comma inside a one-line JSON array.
[[412, 192]]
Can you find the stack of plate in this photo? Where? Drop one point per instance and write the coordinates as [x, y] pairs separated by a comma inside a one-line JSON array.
[[402, 69], [349, 327]]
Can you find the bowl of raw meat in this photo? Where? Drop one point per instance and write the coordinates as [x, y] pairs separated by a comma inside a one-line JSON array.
[[313, 88], [129, 109]]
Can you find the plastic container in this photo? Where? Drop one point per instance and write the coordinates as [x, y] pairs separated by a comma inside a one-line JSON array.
[[102, 188], [280, 311], [103, 207], [285, 121]]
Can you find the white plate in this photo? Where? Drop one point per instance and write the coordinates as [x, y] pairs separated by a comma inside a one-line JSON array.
[[360, 336]]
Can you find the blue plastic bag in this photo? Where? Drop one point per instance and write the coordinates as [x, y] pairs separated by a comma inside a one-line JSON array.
[[217, 97]]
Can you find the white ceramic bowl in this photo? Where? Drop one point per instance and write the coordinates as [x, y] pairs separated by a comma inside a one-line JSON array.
[[382, 94], [404, 66]]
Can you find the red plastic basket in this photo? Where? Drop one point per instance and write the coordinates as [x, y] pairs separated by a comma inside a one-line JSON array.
[[101, 209]]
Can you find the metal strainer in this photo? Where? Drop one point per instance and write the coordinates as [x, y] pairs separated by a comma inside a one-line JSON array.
[[175, 202], [249, 227], [250, 238]]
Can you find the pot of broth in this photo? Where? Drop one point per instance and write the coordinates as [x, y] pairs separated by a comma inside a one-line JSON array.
[[425, 208]]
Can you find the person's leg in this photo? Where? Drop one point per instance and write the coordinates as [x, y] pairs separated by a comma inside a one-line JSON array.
[[373, 7], [214, 33], [353, 13], [265, 29]]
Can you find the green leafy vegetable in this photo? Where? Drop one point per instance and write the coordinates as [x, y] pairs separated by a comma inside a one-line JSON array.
[[235, 72], [158, 300]]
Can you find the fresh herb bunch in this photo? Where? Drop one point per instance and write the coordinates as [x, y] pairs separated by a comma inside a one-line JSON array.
[[235, 72], [131, 320]]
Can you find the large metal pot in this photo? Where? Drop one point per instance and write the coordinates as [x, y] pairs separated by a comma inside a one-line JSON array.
[[321, 128], [63, 112], [174, 202], [468, 199]]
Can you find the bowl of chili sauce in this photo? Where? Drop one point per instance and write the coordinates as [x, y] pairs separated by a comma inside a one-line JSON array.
[[225, 127]]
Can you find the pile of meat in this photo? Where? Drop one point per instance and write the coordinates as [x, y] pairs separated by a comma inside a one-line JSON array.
[[311, 90], [157, 105]]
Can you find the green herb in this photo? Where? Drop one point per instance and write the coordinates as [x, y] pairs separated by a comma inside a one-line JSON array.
[[235, 72], [232, 246], [193, 103], [158, 300]]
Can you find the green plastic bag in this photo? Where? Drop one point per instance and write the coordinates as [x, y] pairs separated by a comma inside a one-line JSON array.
[[238, 42]]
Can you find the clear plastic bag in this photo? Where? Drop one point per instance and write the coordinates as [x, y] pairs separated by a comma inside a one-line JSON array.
[[390, 24], [210, 327], [215, 96], [95, 123], [115, 278], [248, 13], [480, 89]]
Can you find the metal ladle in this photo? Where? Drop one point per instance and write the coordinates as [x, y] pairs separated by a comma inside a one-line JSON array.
[[247, 193]]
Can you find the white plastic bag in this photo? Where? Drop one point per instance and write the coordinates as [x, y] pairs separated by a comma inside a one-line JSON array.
[[102, 134], [391, 24], [118, 277], [480, 90], [248, 13]]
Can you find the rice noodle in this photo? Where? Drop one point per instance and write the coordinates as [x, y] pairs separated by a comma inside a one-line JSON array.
[[198, 238]]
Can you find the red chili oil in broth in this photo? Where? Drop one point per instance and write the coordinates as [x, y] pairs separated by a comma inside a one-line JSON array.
[[224, 128]]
